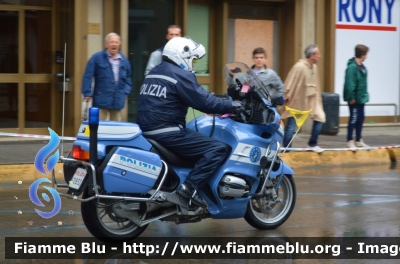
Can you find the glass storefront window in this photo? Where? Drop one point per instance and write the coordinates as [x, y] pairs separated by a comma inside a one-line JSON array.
[[200, 15], [38, 41], [8, 105], [9, 42], [148, 23], [31, 108], [47, 3], [37, 105]]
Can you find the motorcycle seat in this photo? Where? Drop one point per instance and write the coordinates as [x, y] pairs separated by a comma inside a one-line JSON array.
[[170, 157]]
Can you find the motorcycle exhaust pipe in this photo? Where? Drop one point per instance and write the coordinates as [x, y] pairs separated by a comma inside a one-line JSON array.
[[179, 221]]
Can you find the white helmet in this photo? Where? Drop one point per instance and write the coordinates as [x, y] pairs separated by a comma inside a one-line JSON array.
[[182, 51]]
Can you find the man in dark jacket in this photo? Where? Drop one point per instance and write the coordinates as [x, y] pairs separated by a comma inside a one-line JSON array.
[[112, 79], [167, 92], [356, 95]]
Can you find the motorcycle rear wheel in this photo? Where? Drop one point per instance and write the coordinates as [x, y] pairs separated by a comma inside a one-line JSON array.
[[100, 222], [273, 215]]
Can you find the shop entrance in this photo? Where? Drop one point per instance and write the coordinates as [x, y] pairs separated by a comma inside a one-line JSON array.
[[25, 65]]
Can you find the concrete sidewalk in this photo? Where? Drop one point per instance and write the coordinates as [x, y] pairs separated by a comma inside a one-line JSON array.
[[373, 135], [15, 150]]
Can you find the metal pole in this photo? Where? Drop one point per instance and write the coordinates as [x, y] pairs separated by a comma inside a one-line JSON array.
[[63, 108], [93, 127], [290, 142]]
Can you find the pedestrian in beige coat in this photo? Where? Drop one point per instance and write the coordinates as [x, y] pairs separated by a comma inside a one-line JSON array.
[[303, 93]]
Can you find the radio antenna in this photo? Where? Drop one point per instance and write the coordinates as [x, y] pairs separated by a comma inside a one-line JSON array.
[[63, 108]]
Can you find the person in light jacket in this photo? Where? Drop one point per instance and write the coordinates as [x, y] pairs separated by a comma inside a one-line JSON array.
[[303, 93], [156, 56], [267, 76]]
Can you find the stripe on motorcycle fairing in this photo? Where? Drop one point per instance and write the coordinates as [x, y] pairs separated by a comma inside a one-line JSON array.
[[115, 161], [156, 76], [105, 131], [122, 167], [242, 153]]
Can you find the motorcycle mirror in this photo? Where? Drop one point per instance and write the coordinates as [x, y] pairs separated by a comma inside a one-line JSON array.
[[236, 70], [239, 84], [278, 101]]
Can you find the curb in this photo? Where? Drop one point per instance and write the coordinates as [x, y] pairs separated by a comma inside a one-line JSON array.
[[299, 160]]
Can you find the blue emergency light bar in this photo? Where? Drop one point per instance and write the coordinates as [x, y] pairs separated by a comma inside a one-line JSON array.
[[94, 116]]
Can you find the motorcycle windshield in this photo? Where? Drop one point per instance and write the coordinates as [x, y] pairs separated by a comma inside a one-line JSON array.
[[238, 73]]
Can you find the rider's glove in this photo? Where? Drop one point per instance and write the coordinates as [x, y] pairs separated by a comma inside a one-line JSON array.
[[237, 107]]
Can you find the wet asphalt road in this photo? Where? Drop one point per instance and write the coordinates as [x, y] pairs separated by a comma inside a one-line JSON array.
[[338, 202]]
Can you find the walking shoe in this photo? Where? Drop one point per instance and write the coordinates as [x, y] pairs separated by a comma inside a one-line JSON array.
[[316, 149], [361, 144], [350, 144], [193, 195]]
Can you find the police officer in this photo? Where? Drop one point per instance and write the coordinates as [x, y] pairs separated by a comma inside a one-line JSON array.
[[167, 92]]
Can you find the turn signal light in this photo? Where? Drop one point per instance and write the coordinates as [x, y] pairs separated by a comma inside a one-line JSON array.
[[78, 153]]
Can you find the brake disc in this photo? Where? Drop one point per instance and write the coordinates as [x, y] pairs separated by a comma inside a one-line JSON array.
[[113, 216]]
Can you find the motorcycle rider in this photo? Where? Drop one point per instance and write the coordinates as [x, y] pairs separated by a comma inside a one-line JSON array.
[[167, 92]]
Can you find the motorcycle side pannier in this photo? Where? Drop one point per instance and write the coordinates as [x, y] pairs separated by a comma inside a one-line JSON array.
[[131, 170]]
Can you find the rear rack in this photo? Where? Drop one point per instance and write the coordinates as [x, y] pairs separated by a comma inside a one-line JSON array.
[[97, 195]]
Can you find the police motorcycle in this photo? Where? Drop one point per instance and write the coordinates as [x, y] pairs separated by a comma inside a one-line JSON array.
[[126, 181]]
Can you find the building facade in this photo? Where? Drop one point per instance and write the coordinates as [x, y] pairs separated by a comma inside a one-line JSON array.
[[41, 33]]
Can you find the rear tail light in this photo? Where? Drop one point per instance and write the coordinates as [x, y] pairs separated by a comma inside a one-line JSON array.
[[78, 153]]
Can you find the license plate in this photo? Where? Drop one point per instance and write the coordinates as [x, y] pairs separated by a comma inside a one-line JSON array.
[[78, 178]]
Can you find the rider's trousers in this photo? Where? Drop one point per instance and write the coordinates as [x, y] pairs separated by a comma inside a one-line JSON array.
[[205, 151]]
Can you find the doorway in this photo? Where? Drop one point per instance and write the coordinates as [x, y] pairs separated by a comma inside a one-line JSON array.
[[250, 27], [148, 23], [26, 66]]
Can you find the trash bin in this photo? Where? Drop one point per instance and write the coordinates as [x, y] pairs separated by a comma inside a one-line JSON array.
[[330, 103]]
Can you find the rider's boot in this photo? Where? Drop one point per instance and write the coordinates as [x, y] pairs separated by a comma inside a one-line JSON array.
[[187, 192]]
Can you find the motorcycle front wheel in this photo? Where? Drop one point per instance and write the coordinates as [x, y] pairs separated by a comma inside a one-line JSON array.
[[103, 224], [267, 213]]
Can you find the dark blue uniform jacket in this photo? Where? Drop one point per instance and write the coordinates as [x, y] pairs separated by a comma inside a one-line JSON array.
[[167, 93]]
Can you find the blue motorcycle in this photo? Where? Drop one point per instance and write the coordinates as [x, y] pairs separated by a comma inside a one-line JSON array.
[[126, 181]]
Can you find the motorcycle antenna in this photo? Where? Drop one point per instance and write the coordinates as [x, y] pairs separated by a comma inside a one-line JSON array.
[[283, 152], [63, 108]]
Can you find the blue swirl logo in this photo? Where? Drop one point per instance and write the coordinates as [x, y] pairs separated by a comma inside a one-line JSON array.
[[45, 151], [35, 199], [40, 167]]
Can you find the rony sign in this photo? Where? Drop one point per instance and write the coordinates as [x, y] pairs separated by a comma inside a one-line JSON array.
[[356, 13], [374, 23]]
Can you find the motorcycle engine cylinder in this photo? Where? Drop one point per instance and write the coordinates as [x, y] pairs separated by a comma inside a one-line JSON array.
[[232, 186]]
